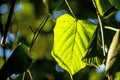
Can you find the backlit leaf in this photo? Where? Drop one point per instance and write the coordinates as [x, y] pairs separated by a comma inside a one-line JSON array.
[[71, 40]]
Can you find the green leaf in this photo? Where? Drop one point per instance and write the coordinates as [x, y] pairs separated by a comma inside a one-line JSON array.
[[71, 40], [93, 55], [18, 62], [116, 76], [113, 64], [115, 3], [103, 6]]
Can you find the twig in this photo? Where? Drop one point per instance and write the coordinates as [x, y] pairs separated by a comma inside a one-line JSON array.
[[38, 30], [62, 1], [70, 8], [7, 25], [101, 26], [32, 29], [23, 77], [71, 77], [111, 28], [30, 74], [45, 19]]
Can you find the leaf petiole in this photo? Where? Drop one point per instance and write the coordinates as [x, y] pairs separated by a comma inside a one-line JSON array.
[[70, 8], [101, 27]]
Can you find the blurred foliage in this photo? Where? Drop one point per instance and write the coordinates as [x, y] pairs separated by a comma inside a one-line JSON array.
[[17, 63], [29, 13]]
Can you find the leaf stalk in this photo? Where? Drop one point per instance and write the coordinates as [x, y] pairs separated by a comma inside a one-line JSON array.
[[70, 8], [101, 27]]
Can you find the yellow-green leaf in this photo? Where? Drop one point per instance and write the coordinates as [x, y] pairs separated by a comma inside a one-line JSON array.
[[71, 40]]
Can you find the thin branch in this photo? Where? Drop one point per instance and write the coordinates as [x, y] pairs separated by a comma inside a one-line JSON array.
[[23, 77], [7, 25], [70, 8], [32, 29], [41, 26], [30, 74], [71, 77], [111, 28], [38, 30], [101, 26], [58, 5], [1, 26]]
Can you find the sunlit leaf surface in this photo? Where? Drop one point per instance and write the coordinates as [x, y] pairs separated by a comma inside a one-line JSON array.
[[71, 39]]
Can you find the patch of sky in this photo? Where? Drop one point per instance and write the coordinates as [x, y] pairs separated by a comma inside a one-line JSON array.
[[101, 69], [8, 53], [0, 36], [3, 8], [18, 7], [95, 21], [58, 68], [18, 34], [10, 38], [14, 76], [1, 51], [58, 13], [117, 16]]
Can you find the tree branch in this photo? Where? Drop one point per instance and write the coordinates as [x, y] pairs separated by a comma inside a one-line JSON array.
[[38, 30], [7, 25], [1, 26]]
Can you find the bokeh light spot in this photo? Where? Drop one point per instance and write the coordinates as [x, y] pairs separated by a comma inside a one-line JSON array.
[[101, 69], [117, 16], [3, 8]]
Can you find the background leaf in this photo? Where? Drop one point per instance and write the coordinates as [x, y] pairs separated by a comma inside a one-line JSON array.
[[94, 56], [113, 64], [18, 62], [103, 6], [115, 3], [71, 39]]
